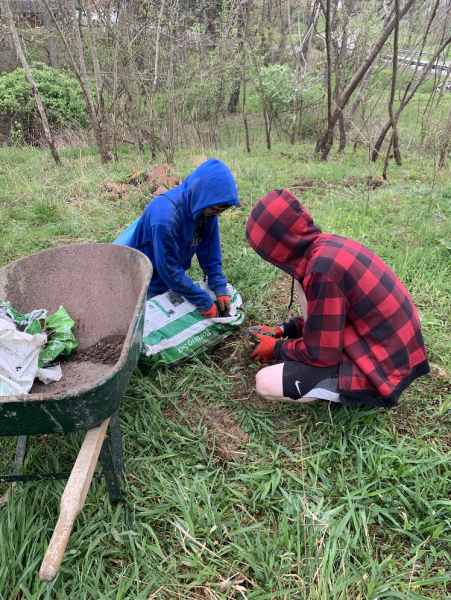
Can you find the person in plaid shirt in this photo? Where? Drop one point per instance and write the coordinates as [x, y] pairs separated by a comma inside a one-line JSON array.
[[359, 338]]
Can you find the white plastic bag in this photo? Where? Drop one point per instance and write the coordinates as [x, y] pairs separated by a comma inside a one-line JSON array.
[[19, 355]]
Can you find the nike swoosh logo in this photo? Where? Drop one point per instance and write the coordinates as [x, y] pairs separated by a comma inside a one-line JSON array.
[[297, 384]]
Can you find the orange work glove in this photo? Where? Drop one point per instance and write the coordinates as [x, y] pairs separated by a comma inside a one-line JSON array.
[[263, 329], [224, 306], [211, 313], [265, 350]]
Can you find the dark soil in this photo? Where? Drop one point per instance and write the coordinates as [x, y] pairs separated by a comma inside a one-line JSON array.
[[373, 182], [308, 184], [225, 434], [106, 351], [75, 376]]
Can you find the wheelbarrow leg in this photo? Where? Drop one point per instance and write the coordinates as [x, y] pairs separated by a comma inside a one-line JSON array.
[[113, 483], [73, 500], [116, 445], [21, 449]]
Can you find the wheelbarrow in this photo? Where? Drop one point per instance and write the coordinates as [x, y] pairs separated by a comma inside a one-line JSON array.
[[103, 288]]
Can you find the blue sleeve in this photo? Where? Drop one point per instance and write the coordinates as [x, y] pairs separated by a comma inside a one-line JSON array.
[[167, 259], [209, 255]]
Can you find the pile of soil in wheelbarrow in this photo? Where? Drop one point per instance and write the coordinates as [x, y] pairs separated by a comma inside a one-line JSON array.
[[84, 366]]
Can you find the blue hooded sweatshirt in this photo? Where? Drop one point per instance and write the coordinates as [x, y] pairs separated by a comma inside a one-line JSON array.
[[172, 229]]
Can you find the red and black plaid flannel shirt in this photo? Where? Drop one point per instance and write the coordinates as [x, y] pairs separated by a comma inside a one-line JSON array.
[[359, 313]]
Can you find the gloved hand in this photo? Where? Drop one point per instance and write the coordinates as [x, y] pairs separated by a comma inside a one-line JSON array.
[[265, 350], [211, 313], [224, 306], [276, 331]]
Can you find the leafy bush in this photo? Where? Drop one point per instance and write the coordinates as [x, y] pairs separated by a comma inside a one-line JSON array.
[[279, 84], [61, 95]]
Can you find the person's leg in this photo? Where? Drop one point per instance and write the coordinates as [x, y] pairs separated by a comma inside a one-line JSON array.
[[302, 299], [269, 384], [293, 381]]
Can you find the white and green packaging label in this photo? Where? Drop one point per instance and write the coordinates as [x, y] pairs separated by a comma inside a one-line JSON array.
[[174, 329]]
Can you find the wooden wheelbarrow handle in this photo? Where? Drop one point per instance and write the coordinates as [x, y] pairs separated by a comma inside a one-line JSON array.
[[73, 500]]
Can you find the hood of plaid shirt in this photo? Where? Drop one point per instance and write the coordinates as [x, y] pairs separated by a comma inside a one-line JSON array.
[[282, 232]]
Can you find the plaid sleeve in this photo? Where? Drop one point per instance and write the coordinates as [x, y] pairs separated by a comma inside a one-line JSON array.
[[321, 345], [294, 329]]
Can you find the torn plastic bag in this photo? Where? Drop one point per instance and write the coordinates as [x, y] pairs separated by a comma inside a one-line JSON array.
[[28, 323], [61, 338], [19, 355]]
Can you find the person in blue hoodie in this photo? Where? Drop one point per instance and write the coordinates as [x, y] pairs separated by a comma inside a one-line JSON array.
[[181, 223]]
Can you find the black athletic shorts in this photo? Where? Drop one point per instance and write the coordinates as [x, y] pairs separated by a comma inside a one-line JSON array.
[[300, 380]]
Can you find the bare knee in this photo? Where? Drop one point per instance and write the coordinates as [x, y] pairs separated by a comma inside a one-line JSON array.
[[268, 382], [261, 383]]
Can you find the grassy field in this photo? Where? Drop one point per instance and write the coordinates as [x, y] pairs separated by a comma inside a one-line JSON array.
[[303, 502]]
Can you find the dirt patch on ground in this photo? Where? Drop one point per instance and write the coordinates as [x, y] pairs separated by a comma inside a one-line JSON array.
[[159, 180], [223, 433], [106, 351], [224, 438], [304, 185], [234, 353], [75, 376], [373, 182]]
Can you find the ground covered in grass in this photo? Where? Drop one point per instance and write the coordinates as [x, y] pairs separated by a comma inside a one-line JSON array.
[[227, 496]]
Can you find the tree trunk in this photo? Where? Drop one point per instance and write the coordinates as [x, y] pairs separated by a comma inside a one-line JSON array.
[[444, 151], [50, 41], [102, 121], [235, 95], [393, 120], [83, 81], [356, 79], [45, 124], [154, 84], [406, 99], [358, 99], [283, 34], [130, 80], [248, 145], [298, 73], [365, 81], [115, 87], [330, 130], [104, 153], [262, 90], [171, 142]]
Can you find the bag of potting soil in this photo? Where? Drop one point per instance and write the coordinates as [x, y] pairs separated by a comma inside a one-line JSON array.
[[174, 329]]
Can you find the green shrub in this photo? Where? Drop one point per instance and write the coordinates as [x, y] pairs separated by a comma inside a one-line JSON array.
[[61, 96], [279, 83]]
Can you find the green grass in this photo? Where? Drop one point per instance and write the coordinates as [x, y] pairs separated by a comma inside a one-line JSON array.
[[352, 504]]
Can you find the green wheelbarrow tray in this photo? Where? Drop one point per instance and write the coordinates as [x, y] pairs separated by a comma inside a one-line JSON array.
[[103, 287]]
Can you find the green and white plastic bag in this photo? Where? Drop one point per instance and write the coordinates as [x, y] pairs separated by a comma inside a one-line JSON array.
[[61, 339], [25, 350], [174, 329]]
